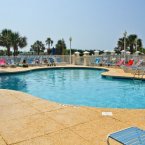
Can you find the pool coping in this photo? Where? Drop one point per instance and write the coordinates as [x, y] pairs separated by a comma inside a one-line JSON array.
[[23, 70], [13, 70]]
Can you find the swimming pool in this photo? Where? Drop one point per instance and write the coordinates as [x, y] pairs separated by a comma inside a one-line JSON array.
[[84, 87]]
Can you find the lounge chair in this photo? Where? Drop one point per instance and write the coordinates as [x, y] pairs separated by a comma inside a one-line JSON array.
[[37, 61], [45, 61], [31, 62], [11, 63], [23, 63], [112, 62], [3, 62], [121, 62], [104, 61], [138, 64], [132, 66], [128, 136], [52, 61], [130, 63], [97, 61]]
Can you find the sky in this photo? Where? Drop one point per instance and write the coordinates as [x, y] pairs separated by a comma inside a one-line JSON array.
[[92, 24]]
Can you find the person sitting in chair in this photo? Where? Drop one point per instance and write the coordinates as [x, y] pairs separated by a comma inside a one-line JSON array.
[[25, 63]]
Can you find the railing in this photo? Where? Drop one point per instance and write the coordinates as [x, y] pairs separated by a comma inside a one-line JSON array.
[[86, 60]]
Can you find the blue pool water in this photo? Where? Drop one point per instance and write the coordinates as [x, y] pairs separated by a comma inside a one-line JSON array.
[[78, 87]]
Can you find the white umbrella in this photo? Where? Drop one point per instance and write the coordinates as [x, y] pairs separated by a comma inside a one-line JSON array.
[[96, 51], [137, 52], [86, 52], [112, 51], [77, 52], [3, 48], [128, 52], [122, 51], [106, 51]]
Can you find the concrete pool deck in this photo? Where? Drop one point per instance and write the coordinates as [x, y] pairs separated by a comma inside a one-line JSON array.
[[28, 120]]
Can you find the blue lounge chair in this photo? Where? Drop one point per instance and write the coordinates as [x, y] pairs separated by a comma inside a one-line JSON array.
[[97, 61], [129, 136], [52, 61], [111, 62], [11, 62], [31, 62]]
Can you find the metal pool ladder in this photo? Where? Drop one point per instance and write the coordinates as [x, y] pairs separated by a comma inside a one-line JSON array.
[[140, 75]]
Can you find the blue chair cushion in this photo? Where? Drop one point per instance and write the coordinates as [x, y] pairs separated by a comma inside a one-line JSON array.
[[129, 136]]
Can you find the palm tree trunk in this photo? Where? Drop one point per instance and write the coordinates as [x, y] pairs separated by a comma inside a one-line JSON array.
[[15, 51], [8, 51], [48, 48], [38, 51], [131, 48]]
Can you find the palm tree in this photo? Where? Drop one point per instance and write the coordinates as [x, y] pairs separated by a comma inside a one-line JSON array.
[[139, 44], [38, 47], [132, 42], [120, 44], [49, 42], [22, 42], [5, 39], [60, 47], [18, 42]]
